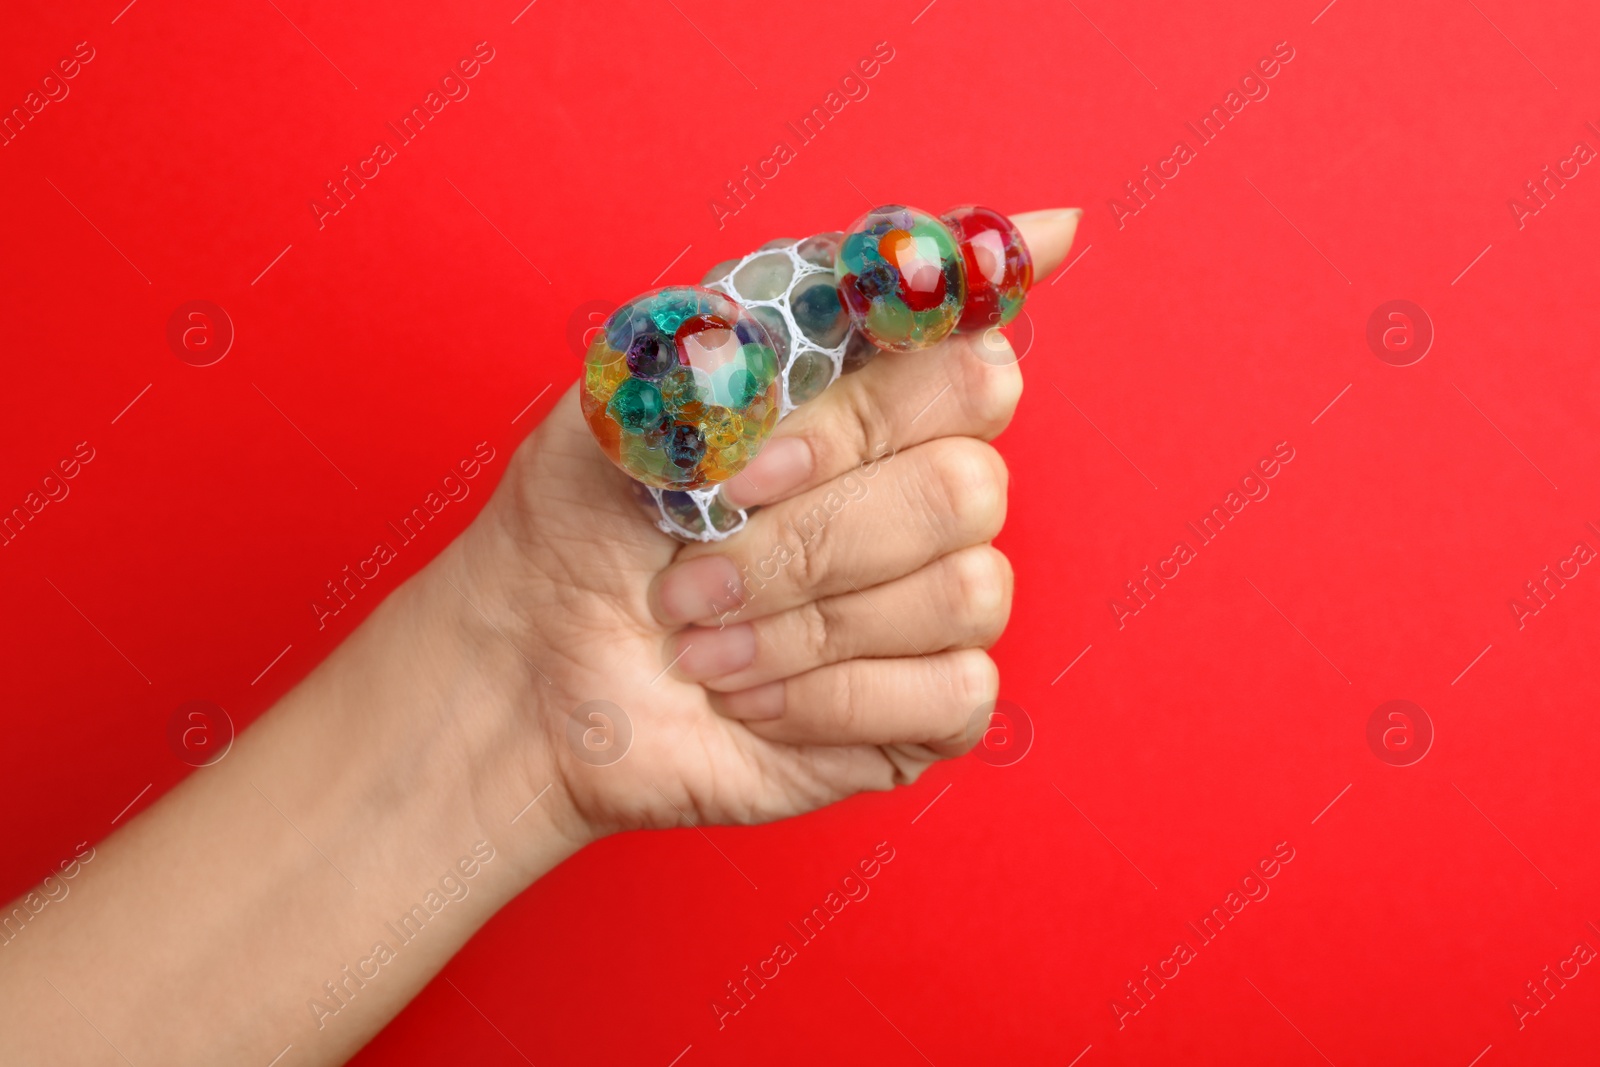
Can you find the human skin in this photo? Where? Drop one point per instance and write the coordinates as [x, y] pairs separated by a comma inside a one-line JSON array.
[[203, 930]]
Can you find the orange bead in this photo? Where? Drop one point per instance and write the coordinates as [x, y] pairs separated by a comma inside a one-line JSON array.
[[894, 245]]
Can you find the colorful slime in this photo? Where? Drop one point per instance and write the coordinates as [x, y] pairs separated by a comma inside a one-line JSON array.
[[903, 278], [999, 266], [684, 384], [681, 387]]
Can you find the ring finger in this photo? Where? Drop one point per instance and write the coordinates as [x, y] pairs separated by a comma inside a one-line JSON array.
[[921, 700]]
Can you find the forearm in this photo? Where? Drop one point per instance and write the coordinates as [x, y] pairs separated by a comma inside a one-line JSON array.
[[303, 889]]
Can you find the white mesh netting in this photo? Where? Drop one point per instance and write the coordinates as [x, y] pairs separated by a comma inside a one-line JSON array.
[[789, 286]]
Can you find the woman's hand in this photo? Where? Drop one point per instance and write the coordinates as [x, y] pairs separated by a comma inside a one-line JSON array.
[[294, 896], [836, 644]]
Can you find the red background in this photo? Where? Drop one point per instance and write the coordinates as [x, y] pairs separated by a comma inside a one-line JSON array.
[[1219, 321]]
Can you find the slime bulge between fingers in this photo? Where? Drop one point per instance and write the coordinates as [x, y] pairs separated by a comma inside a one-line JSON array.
[[999, 266], [903, 278], [681, 387]]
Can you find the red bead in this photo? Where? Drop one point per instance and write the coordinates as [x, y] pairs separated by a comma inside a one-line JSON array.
[[697, 323], [999, 265]]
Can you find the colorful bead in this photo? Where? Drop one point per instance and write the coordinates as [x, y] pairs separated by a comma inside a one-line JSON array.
[[999, 265], [819, 311], [650, 356], [777, 330], [681, 387], [602, 379], [789, 286], [821, 250], [902, 277], [764, 277], [681, 509], [636, 405]]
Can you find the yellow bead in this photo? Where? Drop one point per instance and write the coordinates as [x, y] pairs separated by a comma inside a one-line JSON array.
[[721, 427]]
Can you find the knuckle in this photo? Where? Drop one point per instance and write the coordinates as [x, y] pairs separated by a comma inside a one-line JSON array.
[[804, 557], [982, 588], [992, 386], [969, 484], [822, 630], [975, 680], [842, 711], [864, 429]]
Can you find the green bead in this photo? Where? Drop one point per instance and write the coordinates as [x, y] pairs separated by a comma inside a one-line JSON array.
[[636, 405], [890, 320], [762, 362], [809, 375], [855, 252], [935, 231], [672, 307]]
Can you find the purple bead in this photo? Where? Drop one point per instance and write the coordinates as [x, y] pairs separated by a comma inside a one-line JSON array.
[[750, 332], [651, 356]]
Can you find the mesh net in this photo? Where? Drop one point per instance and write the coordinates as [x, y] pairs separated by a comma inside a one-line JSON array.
[[789, 285]]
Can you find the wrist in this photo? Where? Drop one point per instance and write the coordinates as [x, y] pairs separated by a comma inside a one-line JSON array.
[[460, 708], [497, 702], [372, 821]]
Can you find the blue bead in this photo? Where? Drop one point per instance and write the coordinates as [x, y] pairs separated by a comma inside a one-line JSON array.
[[624, 325], [817, 309], [878, 280]]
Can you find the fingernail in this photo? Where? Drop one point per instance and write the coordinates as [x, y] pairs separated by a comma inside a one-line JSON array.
[[762, 702], [777, 470], [706, 653], [1052, 215], [697, 590]]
